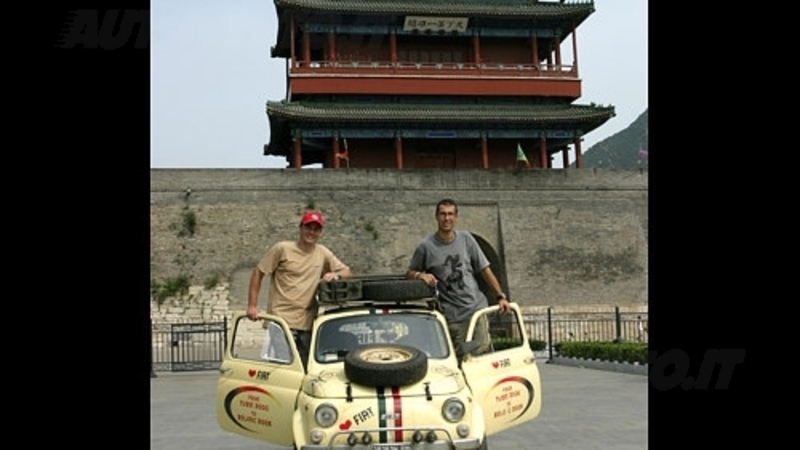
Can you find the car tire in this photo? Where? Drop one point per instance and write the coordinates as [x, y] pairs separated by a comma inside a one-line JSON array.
[[338, 291], [377, 365], [396, 290]]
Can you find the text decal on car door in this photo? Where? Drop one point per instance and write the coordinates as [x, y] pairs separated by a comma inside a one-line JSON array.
[[249, 408], [512, 397]]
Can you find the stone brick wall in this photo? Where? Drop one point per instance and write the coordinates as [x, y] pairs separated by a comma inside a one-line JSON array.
[[214, 305], [199, 305], [563, 238]]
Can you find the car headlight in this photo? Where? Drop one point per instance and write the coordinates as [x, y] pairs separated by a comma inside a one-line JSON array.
[[453, 409], [326, 415]]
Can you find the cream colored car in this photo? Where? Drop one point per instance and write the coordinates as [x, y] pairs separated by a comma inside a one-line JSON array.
[[382, 374]]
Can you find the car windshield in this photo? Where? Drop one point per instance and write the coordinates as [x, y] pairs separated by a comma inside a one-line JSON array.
[[338, 336]]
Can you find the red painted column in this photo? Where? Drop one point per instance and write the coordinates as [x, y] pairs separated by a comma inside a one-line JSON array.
[[543, 152], [331, 47], [558, 53], [306, 48], [565, 158], [485, 152], [535, 50], [575, 51], [393, 47], [297, 159], [578, 154], [476, 49], [293, 56], [398, 152], [336, 152]]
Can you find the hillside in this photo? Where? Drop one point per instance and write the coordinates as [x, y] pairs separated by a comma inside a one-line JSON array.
[[621, 150]]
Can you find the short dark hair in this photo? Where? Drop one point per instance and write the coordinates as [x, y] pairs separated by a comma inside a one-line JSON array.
[[448, 202]]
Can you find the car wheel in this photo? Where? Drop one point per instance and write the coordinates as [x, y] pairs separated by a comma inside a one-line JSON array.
[[385, 365], [484, 444], [396, 290]]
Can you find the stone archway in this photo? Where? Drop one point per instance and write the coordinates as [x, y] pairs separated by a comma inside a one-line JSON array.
[[498, 267]]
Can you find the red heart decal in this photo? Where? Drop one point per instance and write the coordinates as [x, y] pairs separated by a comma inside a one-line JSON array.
[[495, 364], [252, 372], [345, 426]]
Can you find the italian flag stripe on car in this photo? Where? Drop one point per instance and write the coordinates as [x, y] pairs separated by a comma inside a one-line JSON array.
[[390, 411], [390, 414]]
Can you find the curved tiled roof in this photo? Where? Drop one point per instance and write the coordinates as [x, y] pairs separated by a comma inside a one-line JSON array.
[[284, 116], [411, 113], [486, 8]]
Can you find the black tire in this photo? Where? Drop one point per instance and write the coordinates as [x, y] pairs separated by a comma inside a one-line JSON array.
[[338, 291], [396, 290], [484, 444], [378, 365]]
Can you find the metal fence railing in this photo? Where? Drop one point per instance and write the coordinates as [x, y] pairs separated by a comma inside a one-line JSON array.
[[553, 327], [183, 347], [179, 347]]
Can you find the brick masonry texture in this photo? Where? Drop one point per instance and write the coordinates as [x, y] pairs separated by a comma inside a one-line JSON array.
[[563, 238]]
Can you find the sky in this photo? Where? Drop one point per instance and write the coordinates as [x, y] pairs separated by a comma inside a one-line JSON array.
[[212, 75]]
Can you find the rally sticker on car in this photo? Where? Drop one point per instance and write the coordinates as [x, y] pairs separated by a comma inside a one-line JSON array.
[[389, 414], [512, 397], [249, 405]]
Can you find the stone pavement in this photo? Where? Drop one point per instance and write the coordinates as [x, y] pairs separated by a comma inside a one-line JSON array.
[[582, 408]]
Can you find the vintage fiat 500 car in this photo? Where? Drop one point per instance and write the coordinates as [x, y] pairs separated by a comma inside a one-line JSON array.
[[382, 374]]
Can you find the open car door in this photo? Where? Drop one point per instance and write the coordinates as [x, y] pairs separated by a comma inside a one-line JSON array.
[[260, 378], [504, 377]]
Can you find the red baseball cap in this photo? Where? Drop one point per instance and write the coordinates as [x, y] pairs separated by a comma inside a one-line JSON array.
[[312, 216]]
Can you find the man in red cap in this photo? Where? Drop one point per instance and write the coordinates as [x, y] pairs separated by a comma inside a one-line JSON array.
[[296, 268]]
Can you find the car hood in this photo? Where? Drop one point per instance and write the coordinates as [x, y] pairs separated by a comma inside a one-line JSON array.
[[441, 379]]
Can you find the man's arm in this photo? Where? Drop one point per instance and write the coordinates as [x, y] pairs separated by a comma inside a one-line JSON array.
[[252, 294], [503, 301], [343, 272], [418, 260]]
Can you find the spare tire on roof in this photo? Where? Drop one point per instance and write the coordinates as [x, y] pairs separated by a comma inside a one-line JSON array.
[[395, 290], [378, 365]]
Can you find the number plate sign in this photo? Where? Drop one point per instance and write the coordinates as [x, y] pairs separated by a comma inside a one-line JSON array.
[[391, 447]]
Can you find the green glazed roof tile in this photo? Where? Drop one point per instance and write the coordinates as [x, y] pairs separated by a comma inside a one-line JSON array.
[[375, 113], [515, 8]]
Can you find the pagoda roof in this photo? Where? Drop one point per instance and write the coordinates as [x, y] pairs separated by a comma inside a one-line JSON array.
[[452, 112], [514, 14], [473, 8], [285, 115]]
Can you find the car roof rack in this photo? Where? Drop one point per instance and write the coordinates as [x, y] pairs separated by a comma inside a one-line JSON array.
[[375, 291]]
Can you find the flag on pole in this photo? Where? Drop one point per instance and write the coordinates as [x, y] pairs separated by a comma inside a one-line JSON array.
[[345, 155], [521, 156]]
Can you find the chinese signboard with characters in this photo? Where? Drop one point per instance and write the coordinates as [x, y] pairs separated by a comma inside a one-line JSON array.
[[448, 24]]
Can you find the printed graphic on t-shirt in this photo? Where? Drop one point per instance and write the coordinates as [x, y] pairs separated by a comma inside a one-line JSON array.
[[453, 269]]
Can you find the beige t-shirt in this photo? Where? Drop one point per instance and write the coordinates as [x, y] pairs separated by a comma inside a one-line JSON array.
[[294, 278]]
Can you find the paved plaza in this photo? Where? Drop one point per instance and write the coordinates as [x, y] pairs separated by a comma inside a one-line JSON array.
[[582, 409]]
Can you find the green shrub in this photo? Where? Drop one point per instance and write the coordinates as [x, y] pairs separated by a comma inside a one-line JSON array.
[[538, 345], [628, 352], [370, 227], [212, 281], [170, 287], [502, 343], [188, 224]]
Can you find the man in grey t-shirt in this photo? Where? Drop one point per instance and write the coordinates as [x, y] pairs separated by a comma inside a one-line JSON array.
[[449, 259]]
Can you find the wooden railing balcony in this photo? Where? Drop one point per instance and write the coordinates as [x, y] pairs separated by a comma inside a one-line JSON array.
[[409, 78], [448, 70]]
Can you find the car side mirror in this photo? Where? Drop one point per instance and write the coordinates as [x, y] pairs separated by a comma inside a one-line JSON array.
[[465, 348]]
